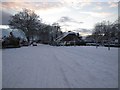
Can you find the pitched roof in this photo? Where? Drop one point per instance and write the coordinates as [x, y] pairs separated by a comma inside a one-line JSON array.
[[64, 35]]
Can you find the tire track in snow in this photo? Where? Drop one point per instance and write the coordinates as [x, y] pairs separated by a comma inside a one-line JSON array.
[[61, 70], [73, 80]]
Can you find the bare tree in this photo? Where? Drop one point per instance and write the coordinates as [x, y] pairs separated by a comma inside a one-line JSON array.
[[106, 32], [27, 21]]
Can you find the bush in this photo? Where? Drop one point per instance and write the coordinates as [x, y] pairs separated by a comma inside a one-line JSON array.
[[82, 43], [10, 42]]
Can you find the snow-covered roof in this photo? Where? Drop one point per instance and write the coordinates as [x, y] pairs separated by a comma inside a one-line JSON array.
[[16, 33], [64, 35]]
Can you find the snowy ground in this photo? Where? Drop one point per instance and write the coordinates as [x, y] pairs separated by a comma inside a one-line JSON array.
[[60, 67]]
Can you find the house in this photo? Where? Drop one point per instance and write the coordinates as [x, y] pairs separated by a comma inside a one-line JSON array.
[[69, 38], [90, 39], [13, 38]]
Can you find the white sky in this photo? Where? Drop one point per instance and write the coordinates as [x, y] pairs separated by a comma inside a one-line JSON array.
[[68, 13]]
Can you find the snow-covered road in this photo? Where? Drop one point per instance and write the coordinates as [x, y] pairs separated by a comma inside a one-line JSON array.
[[46, 66]]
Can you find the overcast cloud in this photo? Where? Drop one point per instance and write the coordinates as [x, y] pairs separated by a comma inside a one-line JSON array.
[[71, 14]]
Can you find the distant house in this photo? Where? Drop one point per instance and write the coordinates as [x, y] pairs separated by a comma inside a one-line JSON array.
[[69, 38], [90, 39]]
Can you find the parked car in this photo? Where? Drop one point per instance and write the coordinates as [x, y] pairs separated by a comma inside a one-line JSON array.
[[34, 44]]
